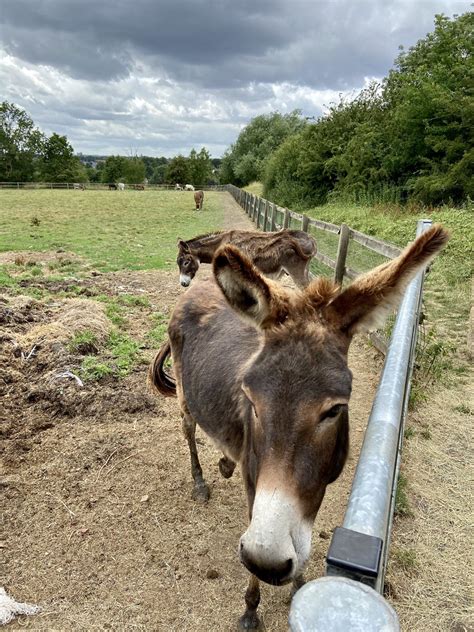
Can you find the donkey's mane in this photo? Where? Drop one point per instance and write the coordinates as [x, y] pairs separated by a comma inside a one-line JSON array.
[[214, 233]]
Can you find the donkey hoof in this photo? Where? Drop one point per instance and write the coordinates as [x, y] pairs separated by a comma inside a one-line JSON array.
[[201, 493], [226, 467], [249, 622]]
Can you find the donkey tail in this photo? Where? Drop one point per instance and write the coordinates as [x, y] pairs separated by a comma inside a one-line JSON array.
[[158, 379]]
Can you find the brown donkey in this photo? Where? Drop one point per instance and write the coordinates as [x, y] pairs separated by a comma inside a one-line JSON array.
[[287, 251], [199, 199], [263, 370]]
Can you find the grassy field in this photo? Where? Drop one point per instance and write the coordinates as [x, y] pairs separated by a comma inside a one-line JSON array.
[[112, 230], [52, 242]]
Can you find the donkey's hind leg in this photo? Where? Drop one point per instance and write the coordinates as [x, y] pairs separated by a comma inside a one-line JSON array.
[[200, 489], [226, 466]]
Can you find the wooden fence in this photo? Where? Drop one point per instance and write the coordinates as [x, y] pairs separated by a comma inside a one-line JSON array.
[[101, 186], [268, 216]]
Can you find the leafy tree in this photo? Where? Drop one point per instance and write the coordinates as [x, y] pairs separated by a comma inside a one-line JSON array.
[[412, 136], [247, 158], [58, 163], [177, 170], [158, 175], [226, 171], [20, 144], [114, 169], [431, 112], [135, 170], [199, 167]]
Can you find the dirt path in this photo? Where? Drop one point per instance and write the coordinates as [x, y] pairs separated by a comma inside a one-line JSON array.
[[100, 529]]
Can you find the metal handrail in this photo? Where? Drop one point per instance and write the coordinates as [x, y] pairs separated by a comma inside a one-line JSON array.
[[359, 550]]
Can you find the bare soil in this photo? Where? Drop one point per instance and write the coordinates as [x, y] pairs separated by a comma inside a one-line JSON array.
[[99, 526]]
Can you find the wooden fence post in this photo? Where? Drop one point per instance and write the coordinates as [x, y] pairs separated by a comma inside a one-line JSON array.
[[286, 218], [272, 223], [256, 206], [257, 219], [305, 223], [265, 215], [342, 253]]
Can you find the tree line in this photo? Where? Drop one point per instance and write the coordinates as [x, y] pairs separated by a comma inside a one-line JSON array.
[[29, 155], [409, 137]]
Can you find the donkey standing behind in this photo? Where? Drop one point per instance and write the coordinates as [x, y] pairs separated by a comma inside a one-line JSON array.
[[199, 199], [263, 370], [287, 251]]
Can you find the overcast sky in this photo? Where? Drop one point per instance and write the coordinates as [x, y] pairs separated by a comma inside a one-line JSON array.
[[159, 77]]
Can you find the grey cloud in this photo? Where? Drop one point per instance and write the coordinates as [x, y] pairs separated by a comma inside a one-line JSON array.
[[219, 43], [162, 76]]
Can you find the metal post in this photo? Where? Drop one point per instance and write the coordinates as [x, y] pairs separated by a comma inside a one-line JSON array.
[[338, 604], [370, 505]]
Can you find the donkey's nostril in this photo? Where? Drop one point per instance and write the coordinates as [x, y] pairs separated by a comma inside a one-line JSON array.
[[275, 574]]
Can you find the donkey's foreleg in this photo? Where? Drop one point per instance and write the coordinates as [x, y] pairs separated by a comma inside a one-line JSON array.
[[249, 620], [200, 490]]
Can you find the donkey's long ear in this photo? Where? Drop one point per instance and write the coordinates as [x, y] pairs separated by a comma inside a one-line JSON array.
[[246, 290], [183, 246], [366, 303]]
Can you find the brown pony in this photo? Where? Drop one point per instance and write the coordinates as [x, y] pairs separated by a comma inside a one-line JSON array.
[[199, 199], [263, 370], [287, 251]]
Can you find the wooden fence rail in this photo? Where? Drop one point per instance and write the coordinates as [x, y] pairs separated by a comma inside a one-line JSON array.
[[101, 186], [268, 216]]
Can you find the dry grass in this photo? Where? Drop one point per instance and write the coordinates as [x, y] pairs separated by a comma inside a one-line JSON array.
[[74, 316], [434, 593]]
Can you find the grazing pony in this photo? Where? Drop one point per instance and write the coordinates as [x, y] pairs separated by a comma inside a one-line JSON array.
[[188, 187], [199, 199], [287, 251], [78, 186], [121, 186], [262, 369], [178, 187], [112, 187]]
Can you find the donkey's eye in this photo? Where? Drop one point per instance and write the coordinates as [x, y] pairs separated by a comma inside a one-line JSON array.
[[186, 263], [333, 412]]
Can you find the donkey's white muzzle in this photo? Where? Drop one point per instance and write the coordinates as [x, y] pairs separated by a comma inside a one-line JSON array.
[[184, 279], [277, 543]]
